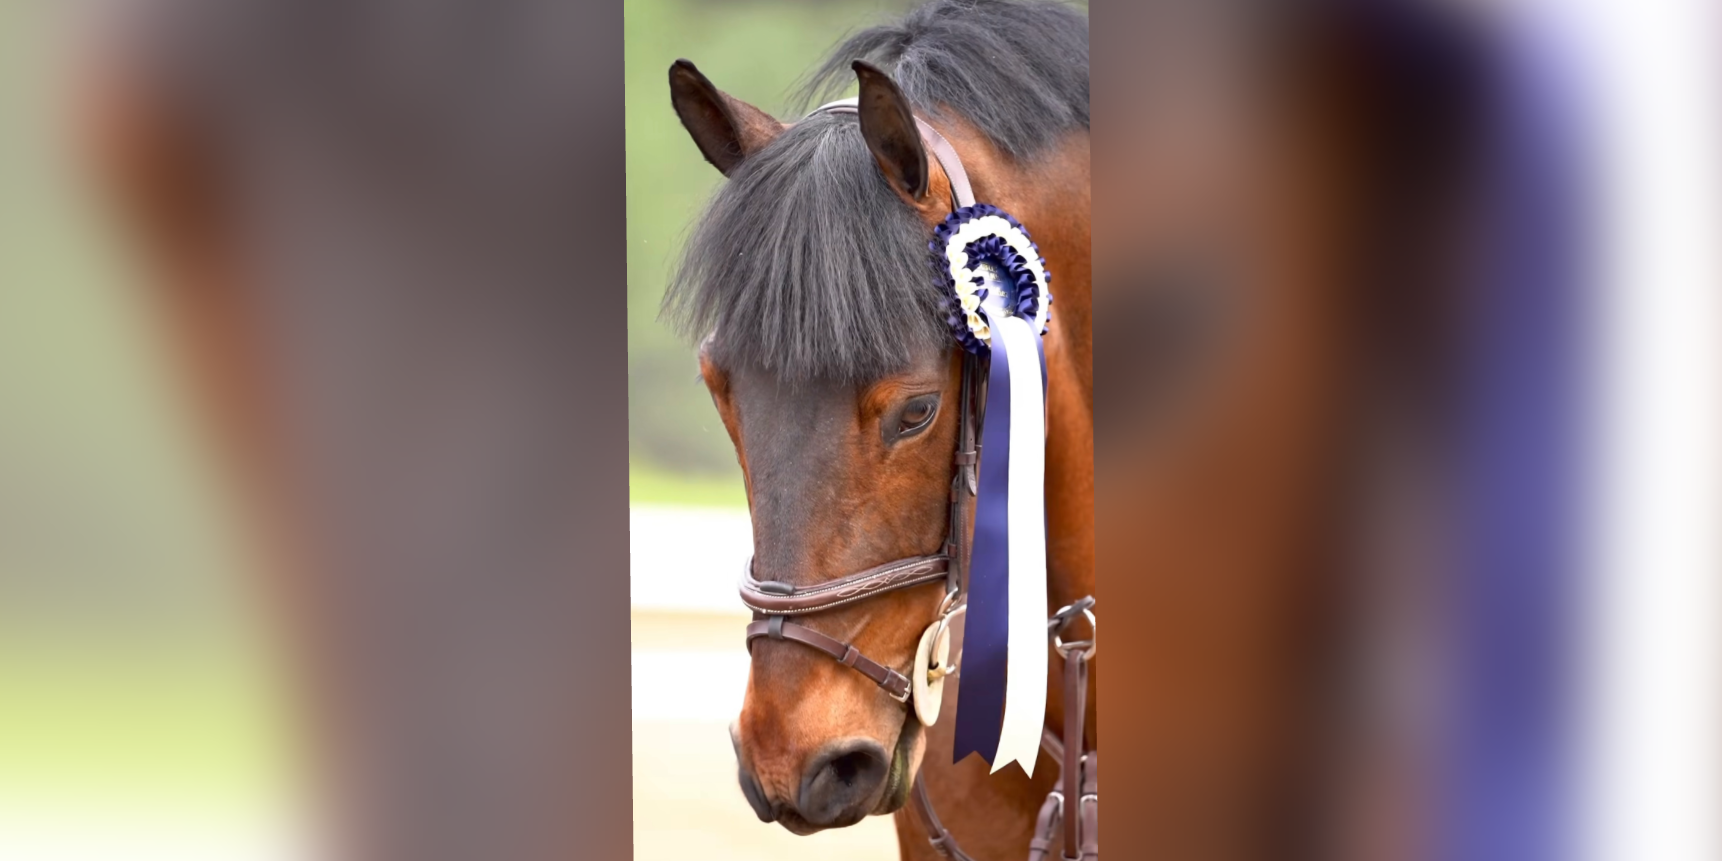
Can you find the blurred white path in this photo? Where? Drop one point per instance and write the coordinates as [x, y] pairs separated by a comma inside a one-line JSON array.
[[687, 559]]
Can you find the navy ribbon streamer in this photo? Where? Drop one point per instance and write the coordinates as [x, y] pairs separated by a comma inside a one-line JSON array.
[[986, 634]]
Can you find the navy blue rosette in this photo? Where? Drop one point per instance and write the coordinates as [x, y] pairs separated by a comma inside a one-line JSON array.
[[1027, 282], [998, 304]]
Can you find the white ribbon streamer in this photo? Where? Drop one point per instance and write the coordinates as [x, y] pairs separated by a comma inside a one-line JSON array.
[[1025, 673]]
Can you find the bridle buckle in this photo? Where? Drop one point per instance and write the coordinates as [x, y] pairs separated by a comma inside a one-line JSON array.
[[1062, 619]]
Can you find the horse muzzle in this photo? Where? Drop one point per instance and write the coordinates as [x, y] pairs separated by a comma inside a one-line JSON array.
[[842, 783]]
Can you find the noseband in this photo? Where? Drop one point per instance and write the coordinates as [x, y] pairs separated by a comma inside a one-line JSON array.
[[775, 604]]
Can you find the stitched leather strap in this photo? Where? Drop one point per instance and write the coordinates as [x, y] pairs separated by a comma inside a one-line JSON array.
[[1089, 808], [1075, 707], [1045, 826], [939, 836], [776, 598], [1052, 744], [1069, 819], [779, 628]]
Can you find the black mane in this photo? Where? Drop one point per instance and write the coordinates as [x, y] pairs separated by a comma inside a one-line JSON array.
[[1017, 71], [806, 263]]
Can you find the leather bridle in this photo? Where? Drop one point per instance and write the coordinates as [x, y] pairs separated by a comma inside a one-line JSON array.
[[776, 604]]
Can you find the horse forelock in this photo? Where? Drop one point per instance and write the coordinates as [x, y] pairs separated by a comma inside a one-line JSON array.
[[806, 264]]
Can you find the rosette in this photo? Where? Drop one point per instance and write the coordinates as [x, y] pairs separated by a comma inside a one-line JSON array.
[[999, 306]]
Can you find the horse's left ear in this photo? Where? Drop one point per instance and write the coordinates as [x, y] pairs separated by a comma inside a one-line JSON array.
[[726, 129], [889, 127]]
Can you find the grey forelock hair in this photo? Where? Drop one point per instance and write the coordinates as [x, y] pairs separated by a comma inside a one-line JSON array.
[[806, 263]]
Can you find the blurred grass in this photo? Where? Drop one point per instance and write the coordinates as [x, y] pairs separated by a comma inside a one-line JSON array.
[[653, 485], [86, 723]]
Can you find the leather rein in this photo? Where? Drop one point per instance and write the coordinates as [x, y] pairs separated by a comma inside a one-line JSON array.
[[1069, 816]]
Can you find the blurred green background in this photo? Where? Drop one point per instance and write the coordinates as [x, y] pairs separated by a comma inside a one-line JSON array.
[[757, 52], [138, 705]]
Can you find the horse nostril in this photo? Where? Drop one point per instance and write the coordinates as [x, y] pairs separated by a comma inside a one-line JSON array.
[[840, 783], [847, 766]]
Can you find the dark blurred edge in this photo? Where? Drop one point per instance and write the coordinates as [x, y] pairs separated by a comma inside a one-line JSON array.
[[602, 815], [1483, 803], [430, 201]]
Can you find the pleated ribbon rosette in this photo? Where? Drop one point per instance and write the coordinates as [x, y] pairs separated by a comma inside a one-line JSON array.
[[998, 283]]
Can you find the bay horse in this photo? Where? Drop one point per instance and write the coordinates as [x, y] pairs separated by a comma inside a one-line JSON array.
[[826, 353]]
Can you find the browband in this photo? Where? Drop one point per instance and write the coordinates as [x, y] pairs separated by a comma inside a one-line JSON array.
[[941, 149]]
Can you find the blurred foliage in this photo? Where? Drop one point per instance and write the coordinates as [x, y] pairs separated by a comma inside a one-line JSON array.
[[757, 52], [652, 484]]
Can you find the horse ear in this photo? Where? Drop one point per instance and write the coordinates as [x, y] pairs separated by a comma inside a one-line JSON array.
[[725, 129], [889, 127]]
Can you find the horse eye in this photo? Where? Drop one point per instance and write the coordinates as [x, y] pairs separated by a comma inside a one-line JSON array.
[[917, 414]]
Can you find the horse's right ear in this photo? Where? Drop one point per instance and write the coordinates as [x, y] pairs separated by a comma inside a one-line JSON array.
[[725, 129], [889, 127]]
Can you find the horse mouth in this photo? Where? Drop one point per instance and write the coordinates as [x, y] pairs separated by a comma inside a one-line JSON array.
[[901, 777], [794, 824]]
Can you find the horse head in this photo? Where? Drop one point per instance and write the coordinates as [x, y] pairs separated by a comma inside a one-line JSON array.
[[844, 421]]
